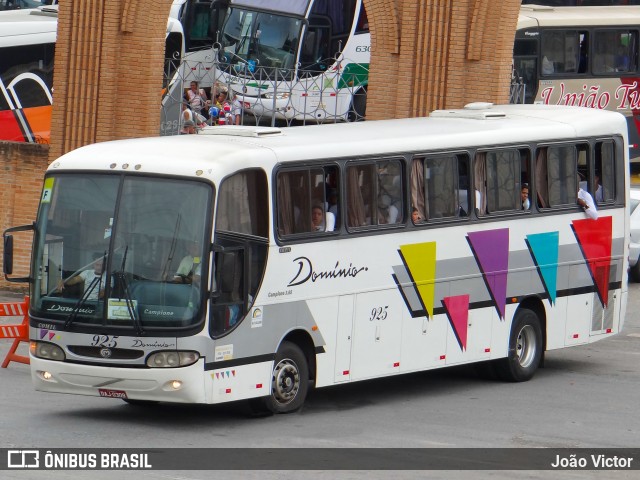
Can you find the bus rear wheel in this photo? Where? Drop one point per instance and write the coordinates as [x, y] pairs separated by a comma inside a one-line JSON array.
[[289, 381], [525, 348]]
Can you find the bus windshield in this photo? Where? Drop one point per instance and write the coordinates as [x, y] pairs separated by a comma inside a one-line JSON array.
[[121, 251], [253, 40]]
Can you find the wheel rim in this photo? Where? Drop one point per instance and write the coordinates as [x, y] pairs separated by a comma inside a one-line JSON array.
[[286, 381], [526, 346]]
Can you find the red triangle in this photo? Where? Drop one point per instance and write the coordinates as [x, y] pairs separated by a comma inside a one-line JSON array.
[[457, 309], [594, 238]]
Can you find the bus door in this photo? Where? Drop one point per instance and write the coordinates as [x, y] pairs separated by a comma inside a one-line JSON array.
[[525, 64]]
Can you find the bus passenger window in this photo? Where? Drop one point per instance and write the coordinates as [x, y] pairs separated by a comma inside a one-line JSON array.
[[558, 166], [503, 180], [605, 179], [614, 51], [389, 192], [374, 194], [560, 51], [439, 187], [308, 200]]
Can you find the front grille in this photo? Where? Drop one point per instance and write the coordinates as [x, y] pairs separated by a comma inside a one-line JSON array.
[[116, 353]]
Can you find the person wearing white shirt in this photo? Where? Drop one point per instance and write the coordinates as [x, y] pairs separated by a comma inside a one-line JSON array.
[[93, 280], [585, 200], [189, 265]]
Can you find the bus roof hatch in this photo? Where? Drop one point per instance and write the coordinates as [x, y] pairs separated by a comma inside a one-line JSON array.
[[241, 131]]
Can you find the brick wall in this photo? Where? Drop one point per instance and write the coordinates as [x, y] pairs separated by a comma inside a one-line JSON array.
[[108, 71], [22, 170], [438, 54]]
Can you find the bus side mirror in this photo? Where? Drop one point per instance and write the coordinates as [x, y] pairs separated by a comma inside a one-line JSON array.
[[7, 258], [7, 254]]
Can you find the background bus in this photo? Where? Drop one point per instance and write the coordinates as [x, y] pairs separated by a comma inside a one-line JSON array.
[[27, 45], [22, 4], [307, 60], [248, 262], [584, 56]]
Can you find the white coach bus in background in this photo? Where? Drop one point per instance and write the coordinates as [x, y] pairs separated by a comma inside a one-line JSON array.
[[255, 262], [305, 60]]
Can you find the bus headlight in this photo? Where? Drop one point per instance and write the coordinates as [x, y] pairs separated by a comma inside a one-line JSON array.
[[48, 351], [172, 359]]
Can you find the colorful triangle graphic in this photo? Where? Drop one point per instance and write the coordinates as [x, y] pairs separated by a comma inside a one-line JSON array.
[[594, 238], [457, 310], [544, 251], [420, 260], [491, 250]]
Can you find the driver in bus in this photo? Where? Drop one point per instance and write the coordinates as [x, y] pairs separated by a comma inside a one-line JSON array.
[[93, 280]]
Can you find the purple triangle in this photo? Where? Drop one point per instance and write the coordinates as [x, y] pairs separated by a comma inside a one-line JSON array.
[[491, 249]]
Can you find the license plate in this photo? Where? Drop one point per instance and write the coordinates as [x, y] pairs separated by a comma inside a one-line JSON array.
[[106, 392]]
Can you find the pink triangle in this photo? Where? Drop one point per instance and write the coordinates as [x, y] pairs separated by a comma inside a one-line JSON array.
[[51, 335], [457, 309], [594, 238]]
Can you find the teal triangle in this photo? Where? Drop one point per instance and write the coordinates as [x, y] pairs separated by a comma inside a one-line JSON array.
[[544, 250]]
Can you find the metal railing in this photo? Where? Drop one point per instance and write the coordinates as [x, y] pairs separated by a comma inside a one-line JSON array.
[[273, 96]]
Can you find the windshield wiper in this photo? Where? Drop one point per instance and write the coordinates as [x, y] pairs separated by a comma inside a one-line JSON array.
[[122, 277], [85, 296]]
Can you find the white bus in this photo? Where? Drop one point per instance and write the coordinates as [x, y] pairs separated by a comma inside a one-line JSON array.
[[302, 60], [255, 262], [582, 56]]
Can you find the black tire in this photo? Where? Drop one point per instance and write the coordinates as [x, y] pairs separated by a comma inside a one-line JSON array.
[[634, 272], [525, 348], [289, 381], [358, 108]]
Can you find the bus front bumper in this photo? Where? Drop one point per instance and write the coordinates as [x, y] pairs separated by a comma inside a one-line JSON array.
[[281, 108], [177, 385]]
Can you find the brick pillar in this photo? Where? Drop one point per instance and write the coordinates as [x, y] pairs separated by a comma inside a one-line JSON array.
[[435, 54], [108, 71], [23, 165]]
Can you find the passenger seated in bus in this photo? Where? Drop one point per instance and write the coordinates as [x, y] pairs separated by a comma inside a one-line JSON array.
[[585, 200], [599, 191], [189, 267], [622, 59], [332, 203], [524, 196], [415, 216], [387, 211], [547, 66], [322, 221]]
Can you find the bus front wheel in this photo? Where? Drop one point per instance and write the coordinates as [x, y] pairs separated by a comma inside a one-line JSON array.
[[289, 380], [525, 348]]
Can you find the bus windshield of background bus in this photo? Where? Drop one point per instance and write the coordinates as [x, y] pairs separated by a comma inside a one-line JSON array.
[[252, 40], [105, 239]]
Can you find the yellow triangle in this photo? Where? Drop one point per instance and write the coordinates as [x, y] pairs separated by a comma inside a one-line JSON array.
[[420, 259]]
